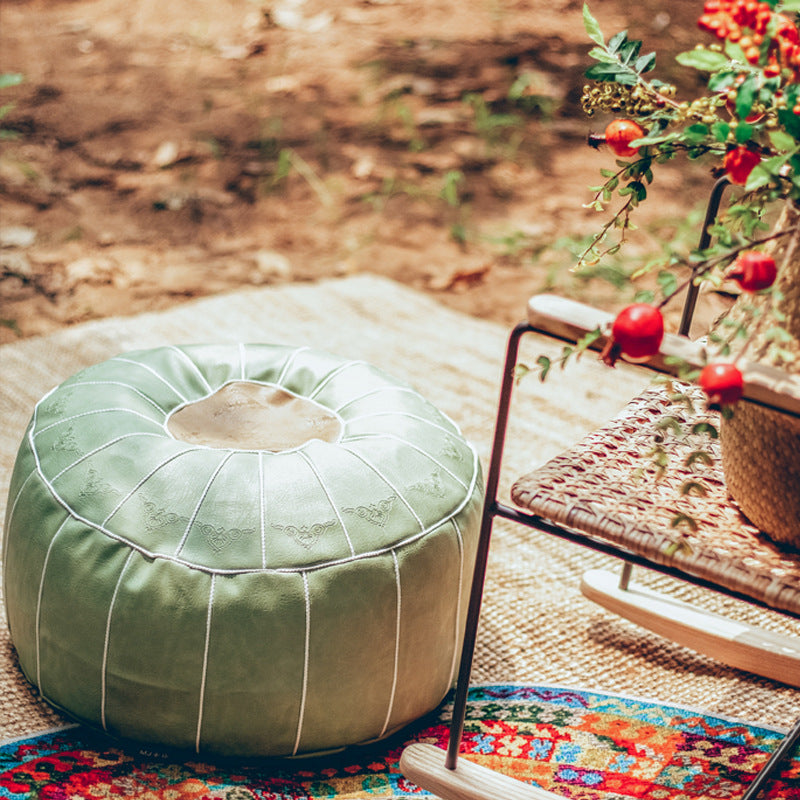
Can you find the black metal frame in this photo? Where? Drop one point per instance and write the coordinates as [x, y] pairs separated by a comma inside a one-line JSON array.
[[494, 508]]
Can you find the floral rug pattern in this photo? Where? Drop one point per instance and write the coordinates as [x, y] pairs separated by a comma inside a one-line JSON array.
[[579, 744]]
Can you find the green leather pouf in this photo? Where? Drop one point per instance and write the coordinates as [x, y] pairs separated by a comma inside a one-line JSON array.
[[255, 550]]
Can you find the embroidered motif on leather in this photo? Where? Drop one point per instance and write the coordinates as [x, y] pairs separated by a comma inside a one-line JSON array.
[[432, 485], [219, 538], [94, 485], [375, 513], [306, 535], [451, 451], [66, 441], [58, 406], [157, 518]]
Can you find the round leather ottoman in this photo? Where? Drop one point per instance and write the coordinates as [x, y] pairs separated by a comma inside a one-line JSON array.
[[250, 550]]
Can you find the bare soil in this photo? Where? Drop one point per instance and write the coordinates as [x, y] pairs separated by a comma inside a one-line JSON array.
[[167, 150]]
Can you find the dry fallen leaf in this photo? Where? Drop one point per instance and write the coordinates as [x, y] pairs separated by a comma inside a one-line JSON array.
[[460, 279]]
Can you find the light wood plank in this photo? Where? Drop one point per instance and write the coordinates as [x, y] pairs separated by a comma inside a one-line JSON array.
[[737, 644], [571, 320], [424, 765]]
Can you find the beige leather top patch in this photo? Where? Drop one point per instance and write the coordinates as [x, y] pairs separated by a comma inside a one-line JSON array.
[[251, 416]]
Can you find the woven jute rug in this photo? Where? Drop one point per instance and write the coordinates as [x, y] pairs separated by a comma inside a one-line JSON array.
[[536, 627]]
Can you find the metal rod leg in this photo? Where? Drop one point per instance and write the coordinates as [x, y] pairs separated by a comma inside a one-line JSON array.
[[705, 240], [625, 575], [482, 554], [770, 769]]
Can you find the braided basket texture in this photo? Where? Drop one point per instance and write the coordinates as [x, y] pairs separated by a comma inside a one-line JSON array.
[[761, 462], [761, 448]]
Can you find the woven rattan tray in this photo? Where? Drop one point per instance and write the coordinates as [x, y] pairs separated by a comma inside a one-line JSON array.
[[607, 487]]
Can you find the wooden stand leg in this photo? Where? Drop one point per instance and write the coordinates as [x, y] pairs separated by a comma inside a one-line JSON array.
[[425, 765], [741, 646]]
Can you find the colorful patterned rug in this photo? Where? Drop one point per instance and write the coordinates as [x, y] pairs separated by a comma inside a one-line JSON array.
[[582, 745]]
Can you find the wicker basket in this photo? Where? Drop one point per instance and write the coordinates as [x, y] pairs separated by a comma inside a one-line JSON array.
[[761, 448], [761, 462]]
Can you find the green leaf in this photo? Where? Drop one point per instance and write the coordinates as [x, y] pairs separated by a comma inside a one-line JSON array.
[[520, 371], [613, 73], [544, 364], [781, 140], [743, 132], [668, 422], [735, 52], [770, 167], [645, 63], [746, 96], [677, 521], [780, 354], [450, 192], [705, 428], [617, 41], [699, 455], [696, 133], [629, 51], [722, 80], [758, 177], [656, 138], [601, 54], [658, 457], [721, 131], [667, 281], [10, 79], [640, 189], [693, 487], [588, 339], [778, 335], [592, 27], [790, 122], [704, 60], [792, 6]]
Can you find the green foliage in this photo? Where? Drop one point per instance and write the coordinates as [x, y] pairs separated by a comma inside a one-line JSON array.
[[523, 95], [744, 123], [12, 325], [10, 79], [491, 126], [451, 192], [703, 60], [747, 105], [618, 60], [7, 80], [567, 353]]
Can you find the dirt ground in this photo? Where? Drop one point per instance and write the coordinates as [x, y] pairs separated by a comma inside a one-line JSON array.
[[157, 152]]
